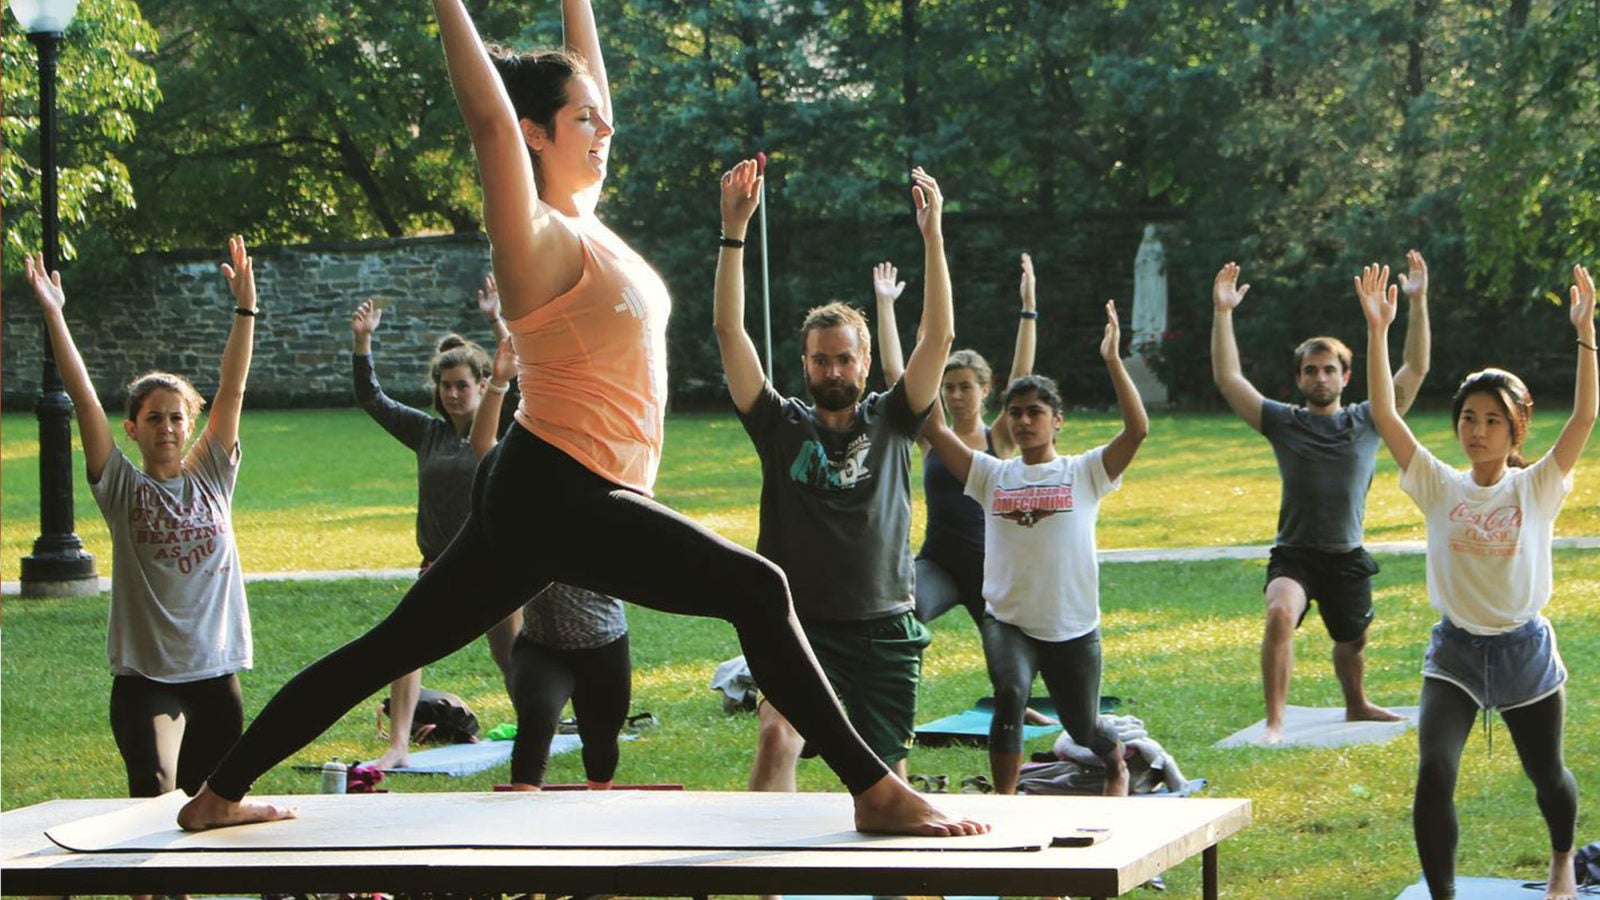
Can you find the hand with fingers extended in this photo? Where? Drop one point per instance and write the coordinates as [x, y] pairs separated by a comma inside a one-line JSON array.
[[364, 321], [1582, 310], [1226, 291], [1415, 283], [929, 202], [885, 284], [240, 274], [1378, 296], [489, 298], [1111, 341], [741, 194], [46, 284], [505, 363], [1028, 288]]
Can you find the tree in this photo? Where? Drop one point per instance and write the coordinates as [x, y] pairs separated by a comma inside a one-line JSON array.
[[102, 82]]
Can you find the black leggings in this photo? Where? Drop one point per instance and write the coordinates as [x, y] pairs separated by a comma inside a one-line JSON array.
[[598, 681], [1445, 721], [171, 735], [538, 516]]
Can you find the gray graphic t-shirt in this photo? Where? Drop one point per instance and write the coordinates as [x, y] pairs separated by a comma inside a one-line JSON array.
[[836, 505], [1326, 464], [178, 609]]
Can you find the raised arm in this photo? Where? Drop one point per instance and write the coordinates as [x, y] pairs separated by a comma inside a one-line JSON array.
[[887, 288], [489, 305], [1135, 421], [520, 230], [93, 429], [223, 422], [1021, 357], [1419, 339], [741, 193], [954, 452], [580, 34], [1378, 304], [925, 368], [1242, 396], [1585, 394], [487, 419]]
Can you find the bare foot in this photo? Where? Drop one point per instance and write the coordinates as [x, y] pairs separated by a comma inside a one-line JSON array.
[[890, 806], [1563, 884], [599, 785], [394, 758], [1371, 713], [1031, 716], [522, 786], [207, 810], [1273, 735]]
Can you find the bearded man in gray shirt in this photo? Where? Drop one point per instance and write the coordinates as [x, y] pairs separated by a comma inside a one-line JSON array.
[[1326, 454]]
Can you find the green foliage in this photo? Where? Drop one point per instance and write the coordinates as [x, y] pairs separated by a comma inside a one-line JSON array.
[[102, 82]]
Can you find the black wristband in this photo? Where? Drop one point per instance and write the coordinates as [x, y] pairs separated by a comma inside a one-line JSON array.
[[732, 242], [1585, 346], [1027, 314], [241, 311]]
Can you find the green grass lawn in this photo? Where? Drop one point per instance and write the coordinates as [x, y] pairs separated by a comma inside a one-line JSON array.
[[1181, 643], [328, 489]]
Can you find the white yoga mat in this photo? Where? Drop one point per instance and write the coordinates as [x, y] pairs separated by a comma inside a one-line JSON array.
[[1306, 726], [576, 820]]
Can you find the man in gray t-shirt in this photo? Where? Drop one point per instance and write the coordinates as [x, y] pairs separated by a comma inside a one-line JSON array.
[[836, 490], [1326, 454]]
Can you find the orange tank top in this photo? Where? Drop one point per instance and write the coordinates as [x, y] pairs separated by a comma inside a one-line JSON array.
[[592, 364]]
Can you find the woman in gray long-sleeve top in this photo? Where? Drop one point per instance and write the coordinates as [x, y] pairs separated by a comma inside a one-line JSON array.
[[459, 372]]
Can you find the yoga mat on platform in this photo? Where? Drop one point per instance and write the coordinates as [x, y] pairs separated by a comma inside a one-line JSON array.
[[1305, 726], [1482, 889], [615, 820], [469, 759]]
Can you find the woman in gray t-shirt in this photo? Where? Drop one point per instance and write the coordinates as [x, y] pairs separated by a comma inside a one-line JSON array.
[[179, 629], [459, 376]]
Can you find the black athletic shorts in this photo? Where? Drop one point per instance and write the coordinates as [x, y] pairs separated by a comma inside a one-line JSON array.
[[1340, 583]]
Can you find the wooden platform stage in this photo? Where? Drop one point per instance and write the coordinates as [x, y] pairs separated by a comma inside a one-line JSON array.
[[637, 843]]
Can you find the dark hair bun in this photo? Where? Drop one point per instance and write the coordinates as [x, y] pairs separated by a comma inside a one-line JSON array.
[[449, 342]]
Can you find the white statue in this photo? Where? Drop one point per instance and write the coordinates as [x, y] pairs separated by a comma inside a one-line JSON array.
[[1149, 291]]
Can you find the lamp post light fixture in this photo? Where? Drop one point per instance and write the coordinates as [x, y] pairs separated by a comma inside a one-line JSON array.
[[58, 566]]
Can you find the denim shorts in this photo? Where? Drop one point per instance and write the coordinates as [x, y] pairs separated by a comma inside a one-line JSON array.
[[1499, 671]]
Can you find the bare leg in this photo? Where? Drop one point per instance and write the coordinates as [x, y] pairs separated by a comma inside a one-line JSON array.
[[1006, 769], [403, 694], [777, 752], [1350, 665], [208, 810], [1116, 772], [1286, 603]]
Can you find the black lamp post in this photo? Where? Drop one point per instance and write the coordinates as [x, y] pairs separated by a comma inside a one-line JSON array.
[[58, 566]]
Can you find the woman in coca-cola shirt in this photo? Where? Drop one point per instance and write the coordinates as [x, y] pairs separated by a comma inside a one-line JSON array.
[[1489, 532]]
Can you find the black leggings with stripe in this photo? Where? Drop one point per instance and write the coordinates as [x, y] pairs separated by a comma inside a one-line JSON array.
[[539, 516]]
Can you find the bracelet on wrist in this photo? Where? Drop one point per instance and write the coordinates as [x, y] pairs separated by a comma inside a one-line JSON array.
[[732, 242], [498, 388], [241, 311], [1027, 314], [1585, 346]]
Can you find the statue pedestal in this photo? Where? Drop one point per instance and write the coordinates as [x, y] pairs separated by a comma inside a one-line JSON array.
[[1151, 390]]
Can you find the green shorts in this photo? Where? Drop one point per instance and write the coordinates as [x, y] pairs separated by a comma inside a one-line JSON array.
[[874, 667]]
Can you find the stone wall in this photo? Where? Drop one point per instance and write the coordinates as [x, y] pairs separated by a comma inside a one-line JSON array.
[[173, 312]]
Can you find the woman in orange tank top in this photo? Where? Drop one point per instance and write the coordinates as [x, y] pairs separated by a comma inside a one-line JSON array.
[[565, 497]]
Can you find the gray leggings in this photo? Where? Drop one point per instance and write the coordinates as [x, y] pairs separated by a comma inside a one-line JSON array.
[[1071, 671], [1444, 722]]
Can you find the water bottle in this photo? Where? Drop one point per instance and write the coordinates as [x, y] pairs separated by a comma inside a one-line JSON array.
[[335, 776]]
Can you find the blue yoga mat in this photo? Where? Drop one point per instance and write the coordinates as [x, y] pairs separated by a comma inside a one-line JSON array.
[[1481, 889], [972, 726]]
